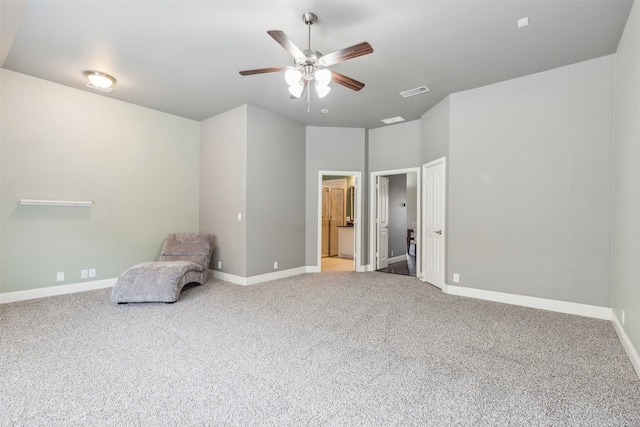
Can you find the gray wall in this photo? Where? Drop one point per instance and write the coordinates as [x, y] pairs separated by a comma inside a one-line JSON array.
[[530, 184], [330, 149], [275, 193], [434, 132], [223, 187], [394, 147], [397, 215], [412, 199], [626, 196], [138, 166]]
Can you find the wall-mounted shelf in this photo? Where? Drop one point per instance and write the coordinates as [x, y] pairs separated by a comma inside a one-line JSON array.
[[36, 202]]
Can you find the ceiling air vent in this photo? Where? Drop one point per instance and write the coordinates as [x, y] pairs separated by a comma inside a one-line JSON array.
[[393, 120], [413, 92]]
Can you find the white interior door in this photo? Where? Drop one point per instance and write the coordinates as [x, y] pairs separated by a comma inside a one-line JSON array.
[[433, 216], [382, 223]]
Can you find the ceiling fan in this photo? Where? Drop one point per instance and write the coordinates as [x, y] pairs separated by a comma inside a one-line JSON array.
[[310, 65]]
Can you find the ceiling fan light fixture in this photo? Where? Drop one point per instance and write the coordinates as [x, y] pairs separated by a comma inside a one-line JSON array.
[[292, 76], [296, 90], [99, 80], [323, 77], [311, 64], [322, 90]]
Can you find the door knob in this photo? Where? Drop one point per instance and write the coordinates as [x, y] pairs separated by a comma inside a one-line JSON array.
[[438, 232]]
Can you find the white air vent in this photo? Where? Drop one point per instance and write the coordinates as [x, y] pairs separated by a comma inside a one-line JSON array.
[[393, 120], [416, 91]]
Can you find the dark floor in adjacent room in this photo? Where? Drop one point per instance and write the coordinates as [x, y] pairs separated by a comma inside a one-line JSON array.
[[406, 267]]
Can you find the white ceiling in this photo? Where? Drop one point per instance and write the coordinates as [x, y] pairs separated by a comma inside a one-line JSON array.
[[183, 57]]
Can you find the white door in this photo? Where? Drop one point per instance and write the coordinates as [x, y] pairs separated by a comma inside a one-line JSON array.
[[433, 214], [382, 223]]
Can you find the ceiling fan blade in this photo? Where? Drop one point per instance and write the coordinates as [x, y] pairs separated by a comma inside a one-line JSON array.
[[345, 81], [350, 52], [262, 70], [286, 43], [304, 87]]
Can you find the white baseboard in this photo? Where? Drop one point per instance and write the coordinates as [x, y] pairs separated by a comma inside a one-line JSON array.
[[50, 291], [626, 343], [586, 310], [398, 258], [260, 278]]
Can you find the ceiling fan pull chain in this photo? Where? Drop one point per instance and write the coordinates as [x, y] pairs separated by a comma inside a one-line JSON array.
[[308, 100]]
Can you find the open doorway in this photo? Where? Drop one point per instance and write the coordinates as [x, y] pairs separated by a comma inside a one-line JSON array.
[[339, 229], [395, 210]]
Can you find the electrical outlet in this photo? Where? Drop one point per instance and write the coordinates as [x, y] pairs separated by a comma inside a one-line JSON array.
[[239, 217], [84, 274], [219, 265], [60, 277], [275, 265], [456, 277], [391, 253], [92, 272], [622, 317]]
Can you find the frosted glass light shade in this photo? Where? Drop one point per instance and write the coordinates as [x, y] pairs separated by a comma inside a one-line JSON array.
[[323, 77], [292, 77], [296, 90], [322, 90], [100, 80]]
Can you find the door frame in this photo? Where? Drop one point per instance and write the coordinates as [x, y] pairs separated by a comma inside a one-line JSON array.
[[372, 215], [357, 255], [422, 262]]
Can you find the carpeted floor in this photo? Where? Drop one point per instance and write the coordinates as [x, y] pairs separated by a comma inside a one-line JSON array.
[[356, 349]]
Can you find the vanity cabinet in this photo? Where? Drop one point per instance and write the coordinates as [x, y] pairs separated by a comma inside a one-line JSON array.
[[346, 242]]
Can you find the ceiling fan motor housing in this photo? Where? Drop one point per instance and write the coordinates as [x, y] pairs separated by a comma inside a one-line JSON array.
[[309, 18]]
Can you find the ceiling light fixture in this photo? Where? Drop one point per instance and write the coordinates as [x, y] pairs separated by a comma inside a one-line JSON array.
[[100, 81], [523, 22], [310, 65], [308, 69]]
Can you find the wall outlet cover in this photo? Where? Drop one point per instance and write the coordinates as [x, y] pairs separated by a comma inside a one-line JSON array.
[[60, 277], [92, 272], [84, 274]]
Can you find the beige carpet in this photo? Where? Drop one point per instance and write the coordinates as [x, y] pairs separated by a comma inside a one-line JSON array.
[[330, 349]]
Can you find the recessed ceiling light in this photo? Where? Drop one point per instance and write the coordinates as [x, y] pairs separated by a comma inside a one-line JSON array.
[[324, 111], [100, 81], [523, 22], [393, 120]]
